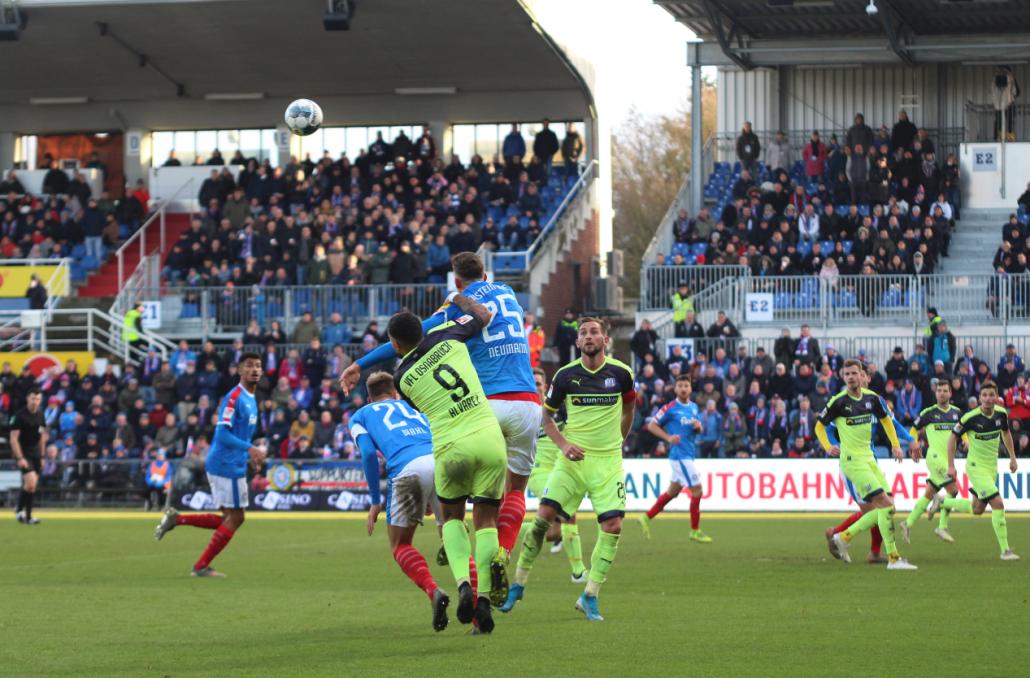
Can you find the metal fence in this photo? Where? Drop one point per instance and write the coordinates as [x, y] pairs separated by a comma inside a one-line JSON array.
[[847, 300], [230, 309], [877, 349], [657, 283], [983, 123]]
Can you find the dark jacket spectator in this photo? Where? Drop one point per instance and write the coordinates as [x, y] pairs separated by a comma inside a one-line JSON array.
[[748, 146]]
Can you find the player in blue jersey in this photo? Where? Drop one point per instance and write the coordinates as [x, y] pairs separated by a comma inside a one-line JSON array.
[[678, 424], [875, 557], [226, 465], [500, 354], [401, 434]]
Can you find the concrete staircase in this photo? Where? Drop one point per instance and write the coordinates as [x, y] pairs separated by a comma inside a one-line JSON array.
[[976, 239]]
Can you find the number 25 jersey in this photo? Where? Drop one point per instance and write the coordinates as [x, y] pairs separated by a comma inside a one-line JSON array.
[[438, 378], [500, 351]]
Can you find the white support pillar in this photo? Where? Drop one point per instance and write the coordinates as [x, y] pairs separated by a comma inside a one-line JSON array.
[[441, 131], [138, 155], [696, 121]]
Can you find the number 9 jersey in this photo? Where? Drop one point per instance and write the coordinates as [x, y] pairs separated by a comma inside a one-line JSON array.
[[438, 378], [500, 351]]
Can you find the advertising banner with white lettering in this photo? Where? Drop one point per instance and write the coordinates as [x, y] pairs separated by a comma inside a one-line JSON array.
[[795, 484]]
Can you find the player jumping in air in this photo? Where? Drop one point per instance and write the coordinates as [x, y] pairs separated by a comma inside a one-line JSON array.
[[853, 410], [599, 399], [935, 423], [875, 538], [546, 456], [436, 376], [500, 354], [983, 426], [678, 424], [28, 440], [226, 468], [389, 425]]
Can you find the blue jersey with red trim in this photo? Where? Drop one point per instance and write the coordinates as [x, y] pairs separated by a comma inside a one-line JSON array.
[[238, 412], [398, 431], [501, 351], [678, 419]]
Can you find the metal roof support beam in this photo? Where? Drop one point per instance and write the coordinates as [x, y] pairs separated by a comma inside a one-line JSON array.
[[720, 34], [892, 26]]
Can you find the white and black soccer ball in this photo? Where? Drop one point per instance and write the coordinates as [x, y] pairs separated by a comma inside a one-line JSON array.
[[303, 117]]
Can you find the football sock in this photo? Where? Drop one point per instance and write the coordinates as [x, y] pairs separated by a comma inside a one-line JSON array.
[[473, 577], [209, 521], [945, 518], [486, 549], [601, 561], [695, 512], [917, 510], [958, 505], [21, 501], [459, 550], [510, 517], [885, 521], [29, 498], [413, 564], [663, 499], [865, 522], [573, 547], [848, 522], [531, 544], [1001, 528], [219, 540], [875, 540]]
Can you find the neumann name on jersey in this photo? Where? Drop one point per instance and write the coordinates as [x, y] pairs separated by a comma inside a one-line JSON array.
[[428, 362], [508, 349]]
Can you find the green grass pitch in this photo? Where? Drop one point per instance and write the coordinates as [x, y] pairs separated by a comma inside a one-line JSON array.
[[85, 595]]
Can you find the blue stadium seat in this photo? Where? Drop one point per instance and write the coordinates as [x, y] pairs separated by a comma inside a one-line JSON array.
[[698, 249], [827, 246], [804, 248], [845, 299], [848, 244], [892, 298], [864, 210], [841, 210], [90, 262], [189, 310], [78, 272], [78, 251]]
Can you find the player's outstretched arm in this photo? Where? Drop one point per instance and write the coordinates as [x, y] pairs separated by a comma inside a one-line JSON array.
[[473, 308], [385, 351]]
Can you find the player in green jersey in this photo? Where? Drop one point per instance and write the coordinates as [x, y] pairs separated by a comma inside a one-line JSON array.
[[935, 423], [563, 533], [853, 411], [436, 376], [984, 426], [599, 400]]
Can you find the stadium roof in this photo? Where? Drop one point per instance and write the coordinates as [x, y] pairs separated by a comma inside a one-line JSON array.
[[784, 32], [279, 50]]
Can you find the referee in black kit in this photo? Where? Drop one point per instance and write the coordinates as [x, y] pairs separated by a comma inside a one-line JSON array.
[[28, 440]]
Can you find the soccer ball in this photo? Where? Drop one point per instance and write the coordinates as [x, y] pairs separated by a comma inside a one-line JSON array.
[[303, 117]]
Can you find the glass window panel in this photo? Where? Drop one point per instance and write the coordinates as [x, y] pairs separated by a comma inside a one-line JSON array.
[[186, 146], [357, 139], [313, 144], [250, 142], [162, 144], [488, 144], [269, 150], [334, 140], [228, 142], [206, 141], [464, 137]]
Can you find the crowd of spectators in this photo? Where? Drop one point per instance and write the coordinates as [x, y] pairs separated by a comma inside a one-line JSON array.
[[874, 202], [764, 405], [394, 214], [126, 420]]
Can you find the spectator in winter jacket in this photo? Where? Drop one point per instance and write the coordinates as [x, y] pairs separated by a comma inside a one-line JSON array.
[[858, 173], [1011, 357], [306, 330], [565, 335], [571, 150], [748, 148], [514, 146], [545, 144], [903, 133], [779, 155], [815, 156], [859, 134], [909, 403], [943, 346]]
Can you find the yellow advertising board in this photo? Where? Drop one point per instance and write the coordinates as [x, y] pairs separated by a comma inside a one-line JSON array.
[[39, 362], [14, 280]]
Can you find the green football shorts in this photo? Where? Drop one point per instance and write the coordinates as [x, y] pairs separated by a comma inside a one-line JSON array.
[[983, 480], [599, 477], [938, 472], [472, 467], [546, 456], [864, 473]]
